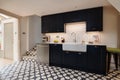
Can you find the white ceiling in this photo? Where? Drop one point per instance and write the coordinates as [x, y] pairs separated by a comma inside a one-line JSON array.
[[44, 7], [115, 3]]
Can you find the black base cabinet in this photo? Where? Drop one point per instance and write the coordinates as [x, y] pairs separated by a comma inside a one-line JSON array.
[[68, 60], [94, 60], [82, 61], [55, 55]]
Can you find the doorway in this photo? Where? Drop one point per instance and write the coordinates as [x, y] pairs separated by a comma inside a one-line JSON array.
[[9, 39]]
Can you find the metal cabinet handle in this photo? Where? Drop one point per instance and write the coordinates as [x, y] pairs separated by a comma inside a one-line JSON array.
[[55, 44], [94, 28], [67, 52], [95, 46], [57, 30], [79, 53]]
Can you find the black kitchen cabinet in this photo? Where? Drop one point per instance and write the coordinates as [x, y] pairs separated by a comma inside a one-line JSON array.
[[52, 23], [82, 61], [55, 23], [75, 60], [94, 19], [70, 59], [75, 16], [96, 59], [55, 53]]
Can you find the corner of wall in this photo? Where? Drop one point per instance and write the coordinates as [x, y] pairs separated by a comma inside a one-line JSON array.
[[119, 30], [110, 26]]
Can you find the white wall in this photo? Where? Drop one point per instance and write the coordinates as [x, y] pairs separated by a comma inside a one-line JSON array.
[[110, 27], [16, 41], [30, 32], [119, 31], [23, 35], [34, 30]]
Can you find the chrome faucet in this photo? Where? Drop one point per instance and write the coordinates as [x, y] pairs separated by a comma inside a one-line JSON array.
[[74, 34]]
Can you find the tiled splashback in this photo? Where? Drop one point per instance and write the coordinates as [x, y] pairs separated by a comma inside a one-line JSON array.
[[75, 31], [54, 35]]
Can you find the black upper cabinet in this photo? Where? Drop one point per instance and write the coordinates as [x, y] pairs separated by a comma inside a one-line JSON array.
[[94, 19], [55, 23], [45, 22], [52, 23], [75, 16]]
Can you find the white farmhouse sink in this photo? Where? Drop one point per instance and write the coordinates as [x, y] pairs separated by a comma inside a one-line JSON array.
[[74, 47]]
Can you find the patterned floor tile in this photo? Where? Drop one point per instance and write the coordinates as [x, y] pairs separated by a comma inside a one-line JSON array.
[[31, 70]]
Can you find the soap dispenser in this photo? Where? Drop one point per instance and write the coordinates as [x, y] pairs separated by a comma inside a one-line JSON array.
[[62, 39]]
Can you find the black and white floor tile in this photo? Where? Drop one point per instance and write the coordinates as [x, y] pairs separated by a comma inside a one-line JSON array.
[[30, 55], [31, 70]]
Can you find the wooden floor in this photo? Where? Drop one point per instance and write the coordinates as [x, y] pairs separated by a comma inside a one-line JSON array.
[[4, 62]]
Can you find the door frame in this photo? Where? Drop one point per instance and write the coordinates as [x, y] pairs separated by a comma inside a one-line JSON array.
[[16, 42]]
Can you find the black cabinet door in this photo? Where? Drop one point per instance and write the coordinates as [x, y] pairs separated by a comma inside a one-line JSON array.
[[59, 24], [46, 24], [75, 60], [55, 53], [96, 59], [82, 61], [52, 23], [75, 16], [70, 59], [70, 17], [95, 19]]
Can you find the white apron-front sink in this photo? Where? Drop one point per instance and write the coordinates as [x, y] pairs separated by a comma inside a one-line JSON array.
[[77, 47]]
